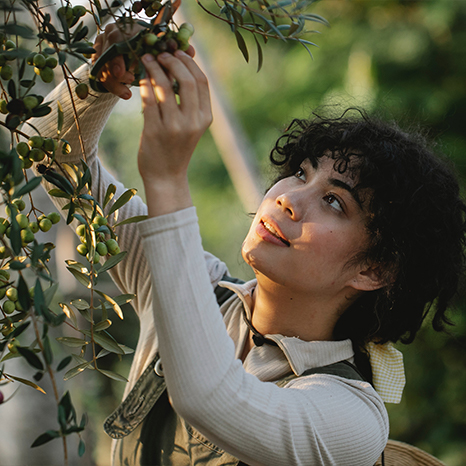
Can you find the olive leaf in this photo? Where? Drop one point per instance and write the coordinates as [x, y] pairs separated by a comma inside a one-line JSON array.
[[113, 375], [30, 357], [23, 294], [28, 187], [77, 370], [109, 194], [242, 45], [69, 313], [45, 437], [105, 340], [59, 193], [27, 382], [135, 219], [122, 200], [48, 354], [82, 278], [113, 303], [80, 304], [72, 342], [81, 447], [114, 260], [63, 363], [60, 117]]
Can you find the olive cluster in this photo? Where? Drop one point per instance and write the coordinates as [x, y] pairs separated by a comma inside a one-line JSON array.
[[11, 303], [21, 108], [28, 228], [151, 8], [103, 246], [43, 64], [35, 149], [6, 71], [71, 14], [168, 41]]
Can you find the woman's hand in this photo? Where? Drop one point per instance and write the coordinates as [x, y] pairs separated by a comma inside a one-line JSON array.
[[114, 75], [171, 129]]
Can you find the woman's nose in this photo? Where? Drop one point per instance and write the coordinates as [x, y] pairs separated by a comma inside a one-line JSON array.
[[289, 202]]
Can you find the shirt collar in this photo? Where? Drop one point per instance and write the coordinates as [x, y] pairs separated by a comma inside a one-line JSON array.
[[301, 355]]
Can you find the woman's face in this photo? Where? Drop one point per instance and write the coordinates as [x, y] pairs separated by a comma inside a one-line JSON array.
[[306, 229]]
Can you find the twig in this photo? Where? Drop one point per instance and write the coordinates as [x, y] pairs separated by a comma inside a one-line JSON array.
[[75, 114], [52, 380]]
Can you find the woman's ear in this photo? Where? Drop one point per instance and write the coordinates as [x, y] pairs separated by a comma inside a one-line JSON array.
[[371, 278]]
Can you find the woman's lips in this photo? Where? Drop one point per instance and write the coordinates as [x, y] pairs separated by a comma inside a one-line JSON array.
[[268, 233]]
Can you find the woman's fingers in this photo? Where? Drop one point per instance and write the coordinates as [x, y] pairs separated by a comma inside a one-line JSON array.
[[201, 80], [149, 101], [98, 45], [163, 86], [188, 92], [114, 75]]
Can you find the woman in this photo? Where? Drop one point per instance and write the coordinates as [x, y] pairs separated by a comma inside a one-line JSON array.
[[362, 230]]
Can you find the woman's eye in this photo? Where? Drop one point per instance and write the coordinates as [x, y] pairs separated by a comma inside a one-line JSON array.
[[334, 202], [300, 174]]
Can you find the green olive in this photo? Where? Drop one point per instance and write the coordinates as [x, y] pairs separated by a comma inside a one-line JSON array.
[[3, 251], [37, 155], [27, 236], [34, 227], [3, 108], [22, 148], [150, 39], [20, 204], [112, 246], [54, 217], [79, 10], [39, 60], [94, 259], [82, 90], [30, 58], [12, 294], [102, 249], [9, 44], [30, 102], [81, 230], [50, 144], [6, 73], [47, 74], [22, 220], [82, 249], [8, 308], [51, 62], [36, 142], [100, 220], [45, 224]]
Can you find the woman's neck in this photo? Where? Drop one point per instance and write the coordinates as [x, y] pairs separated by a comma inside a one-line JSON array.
[[283, 310]]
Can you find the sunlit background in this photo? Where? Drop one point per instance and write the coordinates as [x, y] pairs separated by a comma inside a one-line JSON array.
[[405, 60]]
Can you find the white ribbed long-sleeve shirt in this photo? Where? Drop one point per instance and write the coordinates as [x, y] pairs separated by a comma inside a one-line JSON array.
[[315, 420]]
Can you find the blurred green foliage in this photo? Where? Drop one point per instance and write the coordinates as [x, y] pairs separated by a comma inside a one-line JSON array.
[[404, 60]]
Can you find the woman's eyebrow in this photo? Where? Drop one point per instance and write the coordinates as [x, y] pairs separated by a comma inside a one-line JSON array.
[[341, 184]]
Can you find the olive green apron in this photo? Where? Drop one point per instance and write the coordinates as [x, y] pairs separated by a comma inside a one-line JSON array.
[[154, 435]]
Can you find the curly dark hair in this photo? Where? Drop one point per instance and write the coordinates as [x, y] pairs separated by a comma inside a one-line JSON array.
[[416, 219]]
